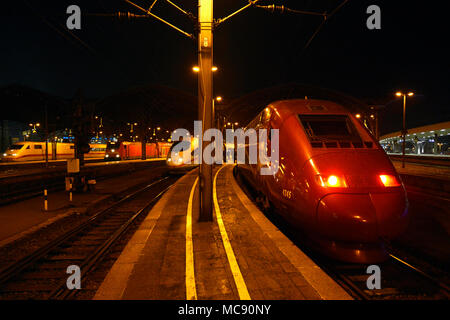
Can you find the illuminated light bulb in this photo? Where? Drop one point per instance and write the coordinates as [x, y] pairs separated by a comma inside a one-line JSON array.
[[332, 181]]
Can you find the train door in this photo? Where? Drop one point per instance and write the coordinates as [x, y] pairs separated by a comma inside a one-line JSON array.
[[47, 150], [38, 152]]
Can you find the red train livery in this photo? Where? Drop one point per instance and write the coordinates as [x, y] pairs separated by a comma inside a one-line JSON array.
[[133, 150], [335, 183]]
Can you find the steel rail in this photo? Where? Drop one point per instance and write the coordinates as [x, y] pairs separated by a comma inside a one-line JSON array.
[[16, 267], [61, 292], [422, 273]]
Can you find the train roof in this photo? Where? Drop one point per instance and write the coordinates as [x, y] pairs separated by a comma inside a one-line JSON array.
[[308, 106]]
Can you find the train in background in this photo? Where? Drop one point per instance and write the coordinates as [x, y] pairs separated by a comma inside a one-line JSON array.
[[334, 184], [35, 151], [184, 157], [125, 150]]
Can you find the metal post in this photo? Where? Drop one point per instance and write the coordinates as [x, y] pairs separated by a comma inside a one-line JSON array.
[[205, 57], [404, 131], [45, 199], [377, 127], [46, 136]]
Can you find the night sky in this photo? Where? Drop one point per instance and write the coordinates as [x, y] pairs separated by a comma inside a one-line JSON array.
[[253, 50]]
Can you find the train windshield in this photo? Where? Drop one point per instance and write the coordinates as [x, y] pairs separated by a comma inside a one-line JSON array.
[[329, 128], [182, 146], [113, 145], [16, 147]]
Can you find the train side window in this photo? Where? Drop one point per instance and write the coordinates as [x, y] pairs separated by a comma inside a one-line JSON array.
[[37, 146], [28, 147]]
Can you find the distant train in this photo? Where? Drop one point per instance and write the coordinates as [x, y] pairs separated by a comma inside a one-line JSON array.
[[133, 150], [184, 159], [334, 184], [35, 151]]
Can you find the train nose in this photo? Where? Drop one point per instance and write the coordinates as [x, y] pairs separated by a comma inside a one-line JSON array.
[[362, 217]]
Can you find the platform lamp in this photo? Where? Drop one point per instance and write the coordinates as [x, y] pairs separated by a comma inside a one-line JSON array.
[[401, 94]]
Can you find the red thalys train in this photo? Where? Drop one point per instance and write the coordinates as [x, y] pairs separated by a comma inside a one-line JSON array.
[[334, 183], [133, 150]]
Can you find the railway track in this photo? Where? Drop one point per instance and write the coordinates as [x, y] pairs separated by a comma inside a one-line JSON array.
[[19, 188], [42, 274], [399, 281]]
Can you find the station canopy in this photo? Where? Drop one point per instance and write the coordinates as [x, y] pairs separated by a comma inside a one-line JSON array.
[[432, 139]]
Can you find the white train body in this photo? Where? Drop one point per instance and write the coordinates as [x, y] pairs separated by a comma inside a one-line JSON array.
[[35, 151]]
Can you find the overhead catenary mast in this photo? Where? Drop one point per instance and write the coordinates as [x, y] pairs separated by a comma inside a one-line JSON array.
[[206, 25], [205, 100]]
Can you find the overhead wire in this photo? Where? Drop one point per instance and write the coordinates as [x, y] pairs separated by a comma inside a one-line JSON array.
[[326, 18], [61, 33]]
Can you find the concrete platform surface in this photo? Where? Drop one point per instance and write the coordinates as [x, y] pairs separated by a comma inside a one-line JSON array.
[[416, 169], [239, 255]]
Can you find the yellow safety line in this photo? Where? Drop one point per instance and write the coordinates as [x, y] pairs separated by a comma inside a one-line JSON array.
[[191, 292], [237, 275]]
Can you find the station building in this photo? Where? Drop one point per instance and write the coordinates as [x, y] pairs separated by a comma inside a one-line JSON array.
[[432, 139]]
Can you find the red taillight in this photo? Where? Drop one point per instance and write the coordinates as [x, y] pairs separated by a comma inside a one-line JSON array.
[[331, 181], [389, 180]]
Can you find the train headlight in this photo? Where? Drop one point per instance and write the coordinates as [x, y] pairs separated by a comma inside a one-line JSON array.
[[180, 160], [14, 154], [117, 155], [4, 154], [106, 155], [389, 180], [331, 181]]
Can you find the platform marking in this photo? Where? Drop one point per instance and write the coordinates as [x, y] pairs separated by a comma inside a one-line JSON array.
[[324, 285], [191, 292], [237, 275]]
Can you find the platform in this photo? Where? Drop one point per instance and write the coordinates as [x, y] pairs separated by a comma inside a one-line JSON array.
[[422, 170], [239, 255], [17, 169]]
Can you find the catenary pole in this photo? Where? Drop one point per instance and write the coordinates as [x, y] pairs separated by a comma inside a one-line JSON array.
[[205, 108]]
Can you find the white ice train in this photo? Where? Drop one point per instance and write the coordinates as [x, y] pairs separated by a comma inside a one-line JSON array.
[[181, 156], [35, 151]]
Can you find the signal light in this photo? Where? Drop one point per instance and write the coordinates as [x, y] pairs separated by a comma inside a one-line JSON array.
[[331, 181], [389, 180]]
